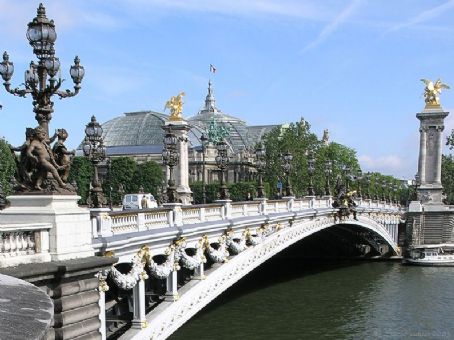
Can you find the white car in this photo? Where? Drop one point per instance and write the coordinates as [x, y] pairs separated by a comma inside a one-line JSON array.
[[134, 201]]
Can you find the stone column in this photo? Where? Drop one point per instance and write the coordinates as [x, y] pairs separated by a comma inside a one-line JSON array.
[[199, 272], [138, 295], [430, 155], [422, 153], [172, 288], [180, 128]]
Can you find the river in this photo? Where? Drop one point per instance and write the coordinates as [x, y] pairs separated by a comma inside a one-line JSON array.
[[294, 298]]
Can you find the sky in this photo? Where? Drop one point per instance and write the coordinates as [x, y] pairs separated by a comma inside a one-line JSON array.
[[352, 67]]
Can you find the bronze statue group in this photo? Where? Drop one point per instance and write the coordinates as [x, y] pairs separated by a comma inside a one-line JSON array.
[[37, 158]]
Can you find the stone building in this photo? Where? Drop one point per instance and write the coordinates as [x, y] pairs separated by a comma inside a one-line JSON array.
[[140, 135]]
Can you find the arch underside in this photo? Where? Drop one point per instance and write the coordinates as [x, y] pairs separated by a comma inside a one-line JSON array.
[[169, 316]]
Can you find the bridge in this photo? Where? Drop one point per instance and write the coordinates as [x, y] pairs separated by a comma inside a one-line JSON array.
[[172, 261], [154, 269]]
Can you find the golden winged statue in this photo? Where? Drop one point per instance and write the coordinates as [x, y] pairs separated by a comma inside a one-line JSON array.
[[432, 92], [175, 104]]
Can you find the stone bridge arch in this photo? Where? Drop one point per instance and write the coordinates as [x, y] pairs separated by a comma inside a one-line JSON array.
[[169, 316]]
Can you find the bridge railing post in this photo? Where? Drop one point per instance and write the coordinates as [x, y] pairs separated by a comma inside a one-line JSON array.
[[101, 222], [202, 214], [141, 221], [175, 216]]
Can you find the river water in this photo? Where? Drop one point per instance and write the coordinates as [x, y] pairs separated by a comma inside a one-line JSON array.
[[293, 298]]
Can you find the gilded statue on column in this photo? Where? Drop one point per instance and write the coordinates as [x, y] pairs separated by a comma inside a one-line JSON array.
[[432, 92], [175, 105]]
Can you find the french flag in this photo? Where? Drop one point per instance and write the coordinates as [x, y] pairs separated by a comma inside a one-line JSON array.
[[212, 68]]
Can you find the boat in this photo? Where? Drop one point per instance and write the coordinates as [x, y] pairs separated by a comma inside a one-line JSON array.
[[431, 255]]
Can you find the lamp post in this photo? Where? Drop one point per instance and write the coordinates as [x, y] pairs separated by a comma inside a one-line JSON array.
[[368, 181], [260, 164], [383, 191], [121, 192], [94, 149], [170, 158], [328, 172], [109, 169], [359, 178], [42, 80], [346, 173], [310, 171], [222, 161], [204, 140], [287, 166]]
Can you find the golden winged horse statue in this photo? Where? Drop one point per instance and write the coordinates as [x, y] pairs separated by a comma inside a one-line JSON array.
[[432, 92]]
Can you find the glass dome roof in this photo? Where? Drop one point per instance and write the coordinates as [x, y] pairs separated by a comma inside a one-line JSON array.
[[135, 128]]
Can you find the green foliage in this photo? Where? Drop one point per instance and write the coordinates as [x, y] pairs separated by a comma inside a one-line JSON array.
[[238, 191], [132, 176], [7, 167], [212, 191], [297, 139], [149, 175], [122, 171], [447, 177], [82, 173]]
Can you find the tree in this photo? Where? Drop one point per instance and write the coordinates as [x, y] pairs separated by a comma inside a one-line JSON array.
[[149, 175], [82, 173], [447, 177], [7, 167], [298, 140], [122, 171]]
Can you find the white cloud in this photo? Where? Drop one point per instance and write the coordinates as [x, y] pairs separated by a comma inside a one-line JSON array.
[[334, 24], [424, 16], [388, 165]]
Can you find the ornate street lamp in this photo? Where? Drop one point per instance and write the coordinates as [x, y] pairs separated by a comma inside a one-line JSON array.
[[2, 197], [260, 164], [287, 166], [310, 171], [328, 172], [109, 169], [359, 178], [383, 190], [121, 192], [346, 174], [204, 140], [222, 161], [368, 181], [170, 158], [94, 149], [41, 80]]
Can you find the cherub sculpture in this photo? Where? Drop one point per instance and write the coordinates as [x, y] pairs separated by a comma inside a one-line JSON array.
[[62, 155], [432, 91], [175, 104], [41, 155]]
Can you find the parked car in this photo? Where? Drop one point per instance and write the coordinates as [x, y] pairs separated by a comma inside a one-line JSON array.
[[135, 201]]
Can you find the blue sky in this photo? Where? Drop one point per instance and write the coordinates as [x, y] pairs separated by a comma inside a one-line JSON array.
[[353, 67]]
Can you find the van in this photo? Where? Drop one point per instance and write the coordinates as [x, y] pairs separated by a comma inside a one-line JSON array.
[[134, 201]]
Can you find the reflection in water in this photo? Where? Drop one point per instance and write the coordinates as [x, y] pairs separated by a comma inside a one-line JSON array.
[[292, 298]]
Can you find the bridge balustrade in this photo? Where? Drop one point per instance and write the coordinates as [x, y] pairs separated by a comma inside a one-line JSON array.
[[24, 243]]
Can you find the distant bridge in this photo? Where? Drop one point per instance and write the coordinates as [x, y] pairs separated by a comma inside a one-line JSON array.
[[152, 245]]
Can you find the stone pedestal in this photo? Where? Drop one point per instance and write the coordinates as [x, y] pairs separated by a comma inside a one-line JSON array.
[[180, 128], [430, 152], [71, 234]]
